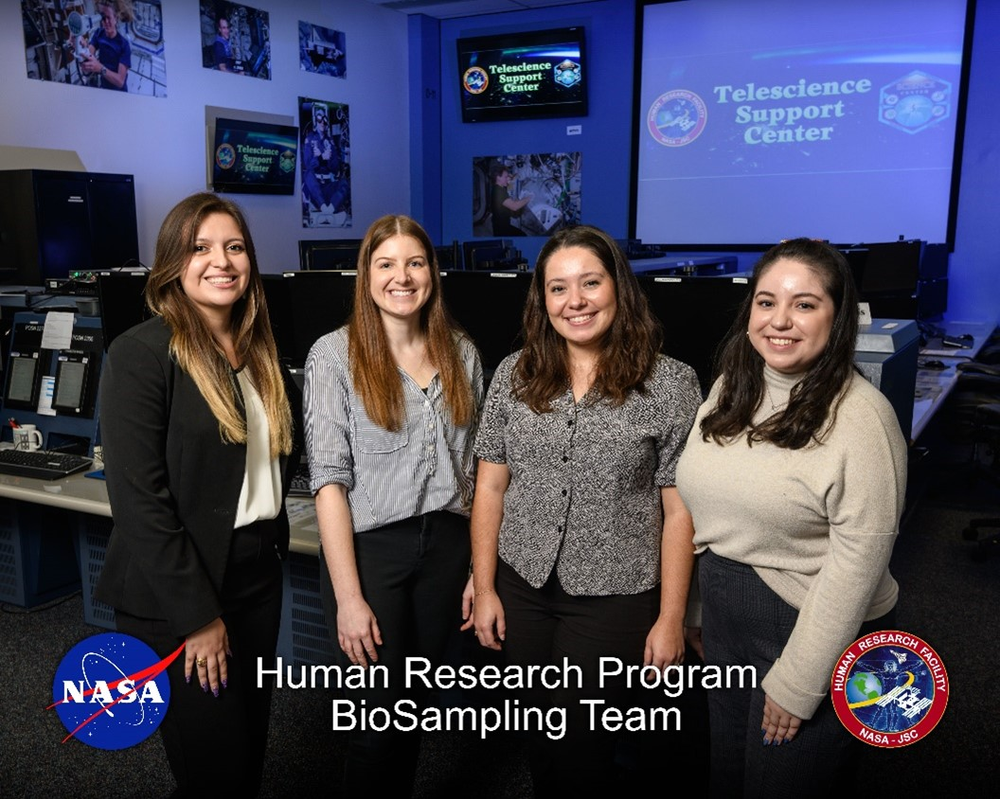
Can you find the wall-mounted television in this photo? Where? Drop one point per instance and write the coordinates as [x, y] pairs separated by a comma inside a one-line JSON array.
[[253, 157], [523, 75]]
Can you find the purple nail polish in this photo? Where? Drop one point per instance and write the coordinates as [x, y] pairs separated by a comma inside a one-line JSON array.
[[204, 687], [215, 692], [225, 683], [187, 678]]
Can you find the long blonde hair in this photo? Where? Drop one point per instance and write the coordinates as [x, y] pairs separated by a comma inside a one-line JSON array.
[[192, 344], [373, 370]]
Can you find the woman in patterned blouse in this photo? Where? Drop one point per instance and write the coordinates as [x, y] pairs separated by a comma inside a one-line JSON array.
[[581, 545]]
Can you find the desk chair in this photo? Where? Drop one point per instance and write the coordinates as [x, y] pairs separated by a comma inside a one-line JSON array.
[[975, 408]]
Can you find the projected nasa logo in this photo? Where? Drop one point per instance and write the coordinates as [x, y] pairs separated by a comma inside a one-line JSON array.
[[677, 118], [914, 102], [475, 80], [111, 691], [567, 73], [889, 689], [225, 156]]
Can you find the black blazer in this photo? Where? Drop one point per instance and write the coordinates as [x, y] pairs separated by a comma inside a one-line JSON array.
[[173, 485]]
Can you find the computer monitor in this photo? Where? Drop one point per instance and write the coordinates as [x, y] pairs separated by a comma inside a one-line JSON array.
[[696, 314], [320, 303], [489, 306], [123, 302], [328, 254]]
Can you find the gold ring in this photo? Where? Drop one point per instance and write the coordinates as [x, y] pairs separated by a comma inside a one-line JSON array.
[[202, 661]]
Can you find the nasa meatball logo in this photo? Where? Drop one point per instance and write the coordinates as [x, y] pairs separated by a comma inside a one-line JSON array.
[[677, 118], [889, 689], [111, 691], [475, 80]]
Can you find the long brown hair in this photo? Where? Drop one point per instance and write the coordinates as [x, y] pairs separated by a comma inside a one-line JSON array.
[[821, 388], [373, 370], [630, 345], [192, 344]]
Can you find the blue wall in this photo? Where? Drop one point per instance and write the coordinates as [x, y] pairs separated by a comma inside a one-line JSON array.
[[974, 287], [606, 137], [974, 273]]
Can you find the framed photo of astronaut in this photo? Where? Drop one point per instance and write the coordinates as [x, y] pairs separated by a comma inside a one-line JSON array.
[[107, 44], [235, 38], [322, 50], [525, 195], [325, 156]]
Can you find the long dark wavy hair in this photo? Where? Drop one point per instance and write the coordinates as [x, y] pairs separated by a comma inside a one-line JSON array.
[[192, 343], [630, 345], [373, 369], [817, 395]]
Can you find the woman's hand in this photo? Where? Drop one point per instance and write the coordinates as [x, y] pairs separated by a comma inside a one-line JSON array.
[[693, 636], [357, 631], [205, 652], [779, 726], [91, 65], [468, 600], [488, 618], [664, 644]]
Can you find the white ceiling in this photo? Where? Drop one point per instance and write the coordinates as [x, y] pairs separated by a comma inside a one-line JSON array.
[[447, 9]]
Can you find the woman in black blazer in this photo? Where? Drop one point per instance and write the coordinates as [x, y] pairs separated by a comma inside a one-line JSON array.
[[198, 434]]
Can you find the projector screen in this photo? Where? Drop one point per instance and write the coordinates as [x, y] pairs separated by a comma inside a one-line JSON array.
[[764, 121]]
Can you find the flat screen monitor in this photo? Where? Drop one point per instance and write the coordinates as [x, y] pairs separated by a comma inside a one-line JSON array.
[[696, 314], [320, 302], [761, 122], [123, 302], [253, 157], [494, 324], [326, 254], [523, 75]]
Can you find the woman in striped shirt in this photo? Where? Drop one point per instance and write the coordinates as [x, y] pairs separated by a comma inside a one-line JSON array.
[[390, 403]]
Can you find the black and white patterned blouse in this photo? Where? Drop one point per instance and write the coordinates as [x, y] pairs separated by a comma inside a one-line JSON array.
[[584, 494], [390, 475]]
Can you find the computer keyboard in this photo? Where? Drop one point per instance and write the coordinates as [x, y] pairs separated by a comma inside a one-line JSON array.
[[40, 464]]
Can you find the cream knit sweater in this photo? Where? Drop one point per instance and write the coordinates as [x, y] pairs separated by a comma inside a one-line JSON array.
[[817, 524]]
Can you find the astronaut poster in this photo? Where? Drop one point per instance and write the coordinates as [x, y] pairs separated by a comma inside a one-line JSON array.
[[325, 156]]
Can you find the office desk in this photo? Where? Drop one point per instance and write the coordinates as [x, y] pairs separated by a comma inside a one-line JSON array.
[[934, 385], [54, 536]]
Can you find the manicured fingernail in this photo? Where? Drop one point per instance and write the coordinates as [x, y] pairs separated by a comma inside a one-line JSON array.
[[187, 678], [215, 692], [204, 687], [225, 683]]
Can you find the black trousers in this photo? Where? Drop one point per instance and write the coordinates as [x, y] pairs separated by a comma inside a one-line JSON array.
[[746, 623], [545, 625], [217, 745], [412, 575]]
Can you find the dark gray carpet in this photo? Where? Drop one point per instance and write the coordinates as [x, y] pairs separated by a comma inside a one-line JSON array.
[[947, 599]]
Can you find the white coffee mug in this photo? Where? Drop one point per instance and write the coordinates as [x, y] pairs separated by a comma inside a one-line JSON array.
[[27, 437]]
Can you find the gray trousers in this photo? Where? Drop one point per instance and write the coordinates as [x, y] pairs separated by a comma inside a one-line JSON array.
[[746, 623]]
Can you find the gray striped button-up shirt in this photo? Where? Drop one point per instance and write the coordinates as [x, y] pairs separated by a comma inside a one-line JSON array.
[[425, 466]]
